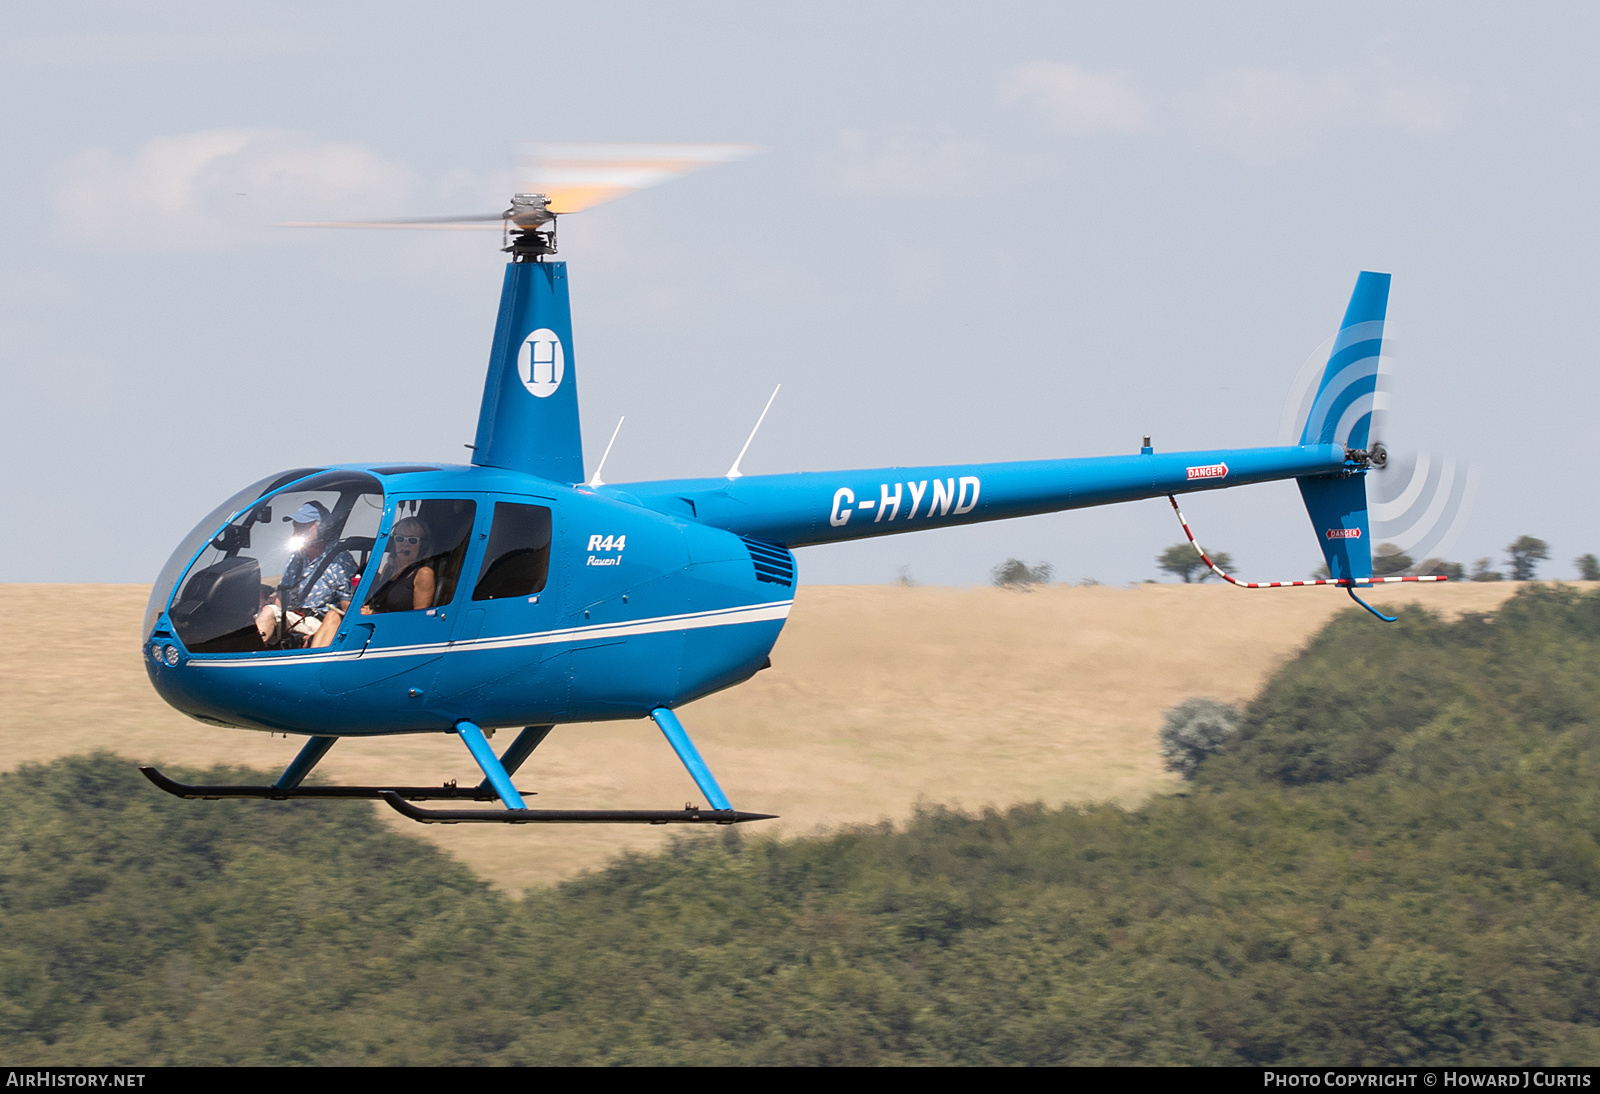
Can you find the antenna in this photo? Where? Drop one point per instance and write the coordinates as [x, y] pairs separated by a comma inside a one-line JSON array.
[[595, 479], [734, 472]]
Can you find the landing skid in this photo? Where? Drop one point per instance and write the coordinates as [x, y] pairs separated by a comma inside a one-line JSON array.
[[688, 815], [448, 791], [496, 786]]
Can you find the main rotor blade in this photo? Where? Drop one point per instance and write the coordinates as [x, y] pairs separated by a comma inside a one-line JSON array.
[[580, 176], [471, 223]]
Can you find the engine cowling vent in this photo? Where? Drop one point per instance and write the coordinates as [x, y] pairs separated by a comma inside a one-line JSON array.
[[772, 563]]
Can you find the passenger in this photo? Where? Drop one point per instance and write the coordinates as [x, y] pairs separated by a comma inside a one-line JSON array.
[[315, 584], [405, 582]]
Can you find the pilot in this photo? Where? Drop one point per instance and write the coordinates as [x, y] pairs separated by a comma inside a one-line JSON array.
[[405, 582], [316, 583]]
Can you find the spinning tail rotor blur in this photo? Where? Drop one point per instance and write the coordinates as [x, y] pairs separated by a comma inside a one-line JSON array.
[[1418, 502]]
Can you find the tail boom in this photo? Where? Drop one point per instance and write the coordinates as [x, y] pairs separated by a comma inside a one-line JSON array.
[[799, 510]]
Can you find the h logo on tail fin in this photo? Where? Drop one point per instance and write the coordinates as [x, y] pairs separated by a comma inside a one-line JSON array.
[[541, 362]]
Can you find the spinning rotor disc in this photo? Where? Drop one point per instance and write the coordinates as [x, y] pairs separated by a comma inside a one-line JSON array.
[[553, 179]]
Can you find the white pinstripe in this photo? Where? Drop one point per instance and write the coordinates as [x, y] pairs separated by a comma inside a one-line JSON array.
[[720, 617]]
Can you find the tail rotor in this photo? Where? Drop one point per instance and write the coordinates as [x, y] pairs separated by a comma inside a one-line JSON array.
[[1419, 502]]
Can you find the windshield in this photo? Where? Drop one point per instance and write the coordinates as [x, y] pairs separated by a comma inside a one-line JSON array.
[[179, 559], [281, 574]]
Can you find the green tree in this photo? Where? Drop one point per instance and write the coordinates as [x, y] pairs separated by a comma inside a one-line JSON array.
[[1388, 560], [1481, 571], [1014, 573], [1438, 567], [1183, 561], [1588, 567], [1525, 553]]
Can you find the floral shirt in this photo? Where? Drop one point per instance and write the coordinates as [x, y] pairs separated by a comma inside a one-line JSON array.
[[328, 591]]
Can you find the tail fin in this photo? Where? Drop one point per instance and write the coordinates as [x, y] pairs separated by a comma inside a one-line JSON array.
[[1349, 394], [529, 419], [1342, 413]]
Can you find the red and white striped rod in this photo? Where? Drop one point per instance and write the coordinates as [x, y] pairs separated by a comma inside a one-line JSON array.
[[1342, 582]]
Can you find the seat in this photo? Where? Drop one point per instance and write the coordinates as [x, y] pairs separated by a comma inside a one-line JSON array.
[[216, 611]]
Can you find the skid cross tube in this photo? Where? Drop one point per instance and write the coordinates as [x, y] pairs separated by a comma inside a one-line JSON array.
[[492, 769], [517, 754], [304, 761], [684, 747]]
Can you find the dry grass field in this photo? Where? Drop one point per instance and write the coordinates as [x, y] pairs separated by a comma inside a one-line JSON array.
[[878, 697]]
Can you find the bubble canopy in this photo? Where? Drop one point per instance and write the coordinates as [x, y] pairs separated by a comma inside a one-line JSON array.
[[278, 555]]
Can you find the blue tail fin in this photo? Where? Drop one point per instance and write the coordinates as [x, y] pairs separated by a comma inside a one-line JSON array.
[[1348, 394], [1342, 414], [529, 420]]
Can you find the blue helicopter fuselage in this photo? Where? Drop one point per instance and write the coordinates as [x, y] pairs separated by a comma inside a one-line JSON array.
[[657, 593], [529, 598]]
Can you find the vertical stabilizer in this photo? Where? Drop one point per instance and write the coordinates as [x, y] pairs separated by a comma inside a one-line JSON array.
[[1347, 398], [1349, 393], [529, 420]]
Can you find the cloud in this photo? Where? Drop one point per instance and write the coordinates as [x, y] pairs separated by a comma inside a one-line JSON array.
[[1265, 115], [919, 161], [1078, 102], [222, 187]]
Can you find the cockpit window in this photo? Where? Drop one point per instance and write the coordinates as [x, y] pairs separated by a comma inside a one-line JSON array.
[[423, 555], [162, 591], [280, 575], [517, 560]]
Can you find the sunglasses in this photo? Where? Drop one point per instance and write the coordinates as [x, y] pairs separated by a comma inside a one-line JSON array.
[[410, 541]]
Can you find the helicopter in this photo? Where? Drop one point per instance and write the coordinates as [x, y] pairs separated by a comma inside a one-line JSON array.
[[373, 599]]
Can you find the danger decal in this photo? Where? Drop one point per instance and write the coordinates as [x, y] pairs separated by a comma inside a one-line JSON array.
[[1209, 471]]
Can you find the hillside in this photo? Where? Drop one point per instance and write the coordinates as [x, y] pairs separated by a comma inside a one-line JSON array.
[[1396, 862], [878, 697]]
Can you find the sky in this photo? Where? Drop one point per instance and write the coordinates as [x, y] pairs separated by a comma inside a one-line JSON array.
[[977, 232]]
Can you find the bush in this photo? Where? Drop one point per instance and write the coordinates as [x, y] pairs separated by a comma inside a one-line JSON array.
[[1195, 729], [1014, 573], [1438, 567]]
